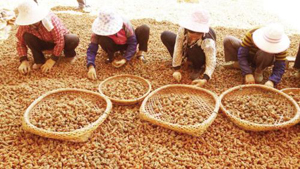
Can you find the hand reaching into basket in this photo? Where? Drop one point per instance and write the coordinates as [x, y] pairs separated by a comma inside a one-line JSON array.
[[269, 83], [249, 79], [199, 82], [177, 76], [92, 73], [24, 67]]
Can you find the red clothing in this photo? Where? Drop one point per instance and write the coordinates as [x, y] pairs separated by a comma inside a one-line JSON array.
[[56, 35], [119, 38]]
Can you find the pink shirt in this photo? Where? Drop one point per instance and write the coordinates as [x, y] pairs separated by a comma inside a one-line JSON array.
[[119, 38]]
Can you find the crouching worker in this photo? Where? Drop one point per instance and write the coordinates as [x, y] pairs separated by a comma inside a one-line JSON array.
[[260, 48], [195, 41], [41, 30], [114, 33]]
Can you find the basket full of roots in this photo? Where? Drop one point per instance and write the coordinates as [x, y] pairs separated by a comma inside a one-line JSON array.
[[259, 108], [67, 114], [182, 108], [294, 93], [125, 89]]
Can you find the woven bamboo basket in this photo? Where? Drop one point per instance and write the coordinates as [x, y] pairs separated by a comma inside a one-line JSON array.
[[251, 126], [78, 135], [291, 90], [294, 91], [119, 77], [197, 94]]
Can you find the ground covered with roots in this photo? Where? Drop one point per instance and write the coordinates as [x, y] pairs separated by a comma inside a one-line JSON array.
[[123, 140]]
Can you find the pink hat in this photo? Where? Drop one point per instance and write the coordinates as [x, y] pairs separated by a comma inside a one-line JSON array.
[[197, 22], [271, 39]]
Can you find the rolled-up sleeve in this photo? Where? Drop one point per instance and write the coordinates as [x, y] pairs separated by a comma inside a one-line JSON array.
[[21, 46]]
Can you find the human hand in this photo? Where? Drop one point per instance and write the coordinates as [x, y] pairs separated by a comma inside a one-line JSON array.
[[24, 67], [199, 82], [46, 67], [177, 76], [92, 73], [249, 79], [269, 83], [119, 63]]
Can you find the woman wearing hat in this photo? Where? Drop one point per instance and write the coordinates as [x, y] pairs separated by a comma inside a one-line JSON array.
[[260, 48], [195, 41], [41, 30], [115, 33]]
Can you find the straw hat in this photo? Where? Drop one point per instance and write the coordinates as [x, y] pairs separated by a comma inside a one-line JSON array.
[[198, 21], [107, 23], [31, 13], [271, 39]]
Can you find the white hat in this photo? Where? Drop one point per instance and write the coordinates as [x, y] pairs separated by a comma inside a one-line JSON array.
[[107, 23], [271, 39], [31, 13], [197, 22]]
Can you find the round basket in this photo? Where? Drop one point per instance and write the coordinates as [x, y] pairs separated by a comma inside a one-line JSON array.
[[292, 92], [114, 79], [243, 90], [205, 100], [289, 91], [78, 135]]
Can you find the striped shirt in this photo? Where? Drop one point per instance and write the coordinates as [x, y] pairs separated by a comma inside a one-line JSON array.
[[248, 42]]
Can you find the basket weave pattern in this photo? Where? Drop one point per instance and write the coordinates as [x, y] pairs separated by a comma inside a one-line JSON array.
[[77, 135], [115, 79], [206, 102], [287, 104]]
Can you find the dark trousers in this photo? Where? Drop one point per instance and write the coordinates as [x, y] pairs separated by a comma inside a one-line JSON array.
[[195, 54], [260, 61], [297, 61], [37, 46], [81, 3], [110, 47]]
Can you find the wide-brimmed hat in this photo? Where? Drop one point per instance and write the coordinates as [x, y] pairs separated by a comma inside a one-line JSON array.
[[31, 13], [198, 21], [271, 39], [107, 23]]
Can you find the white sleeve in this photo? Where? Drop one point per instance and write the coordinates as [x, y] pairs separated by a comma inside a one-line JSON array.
[[177, 55], [47, 22], [209, 48]]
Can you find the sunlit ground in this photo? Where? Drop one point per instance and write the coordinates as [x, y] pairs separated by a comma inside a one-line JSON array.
[[287, 10], [227, 13]]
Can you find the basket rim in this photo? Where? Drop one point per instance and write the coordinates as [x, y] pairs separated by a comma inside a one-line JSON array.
[[81, 130], [205, 122], [295, 117], [290, 89], [129, 100]]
